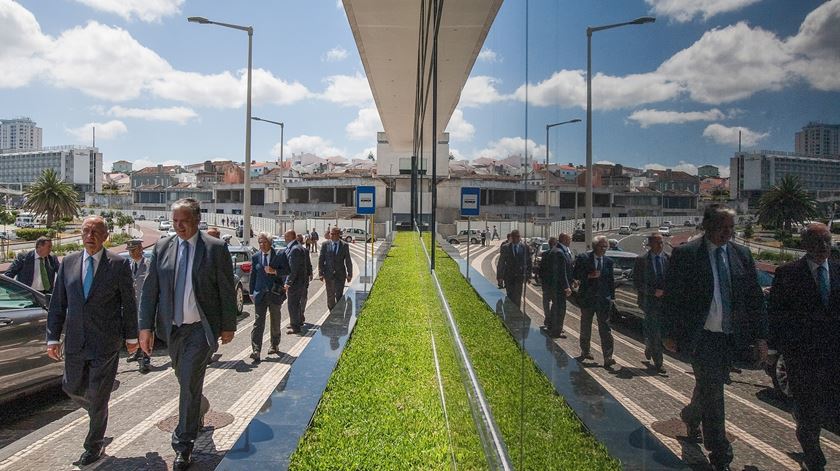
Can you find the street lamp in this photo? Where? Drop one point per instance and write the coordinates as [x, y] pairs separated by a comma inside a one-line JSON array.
[[280, 199], [547, 127], [589, 31], [246, 197]]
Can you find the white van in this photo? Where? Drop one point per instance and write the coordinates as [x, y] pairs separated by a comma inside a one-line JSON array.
[[25, 220]]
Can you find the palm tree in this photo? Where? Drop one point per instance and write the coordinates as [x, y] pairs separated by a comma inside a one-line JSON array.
[[786, 203], [51, 196]]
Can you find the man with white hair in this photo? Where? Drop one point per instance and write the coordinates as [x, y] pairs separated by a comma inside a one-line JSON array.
[[265, 290], [594, 271]]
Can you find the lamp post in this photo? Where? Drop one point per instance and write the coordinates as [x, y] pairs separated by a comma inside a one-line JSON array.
[[589, 31], [547, 127], [246, 197], [280, 198]]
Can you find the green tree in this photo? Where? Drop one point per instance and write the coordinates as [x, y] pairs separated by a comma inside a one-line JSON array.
[[124, 220], [52, 197], [785, 204]]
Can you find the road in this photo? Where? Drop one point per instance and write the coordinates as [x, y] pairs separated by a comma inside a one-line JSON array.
[[757, 417]]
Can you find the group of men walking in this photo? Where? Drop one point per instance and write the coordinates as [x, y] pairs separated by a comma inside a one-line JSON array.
[[704, 300]]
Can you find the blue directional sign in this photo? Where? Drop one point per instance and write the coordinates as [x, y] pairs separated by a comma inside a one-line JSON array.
[[470, 200], [365, 199]]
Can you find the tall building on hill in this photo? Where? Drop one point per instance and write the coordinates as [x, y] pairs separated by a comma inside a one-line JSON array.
[[19, 134], [819, 140]]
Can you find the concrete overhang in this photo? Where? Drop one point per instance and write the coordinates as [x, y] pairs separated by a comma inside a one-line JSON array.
[[387, 36]]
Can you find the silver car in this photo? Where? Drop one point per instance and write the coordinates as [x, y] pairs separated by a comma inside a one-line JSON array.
[[474, 236], [351, 233]]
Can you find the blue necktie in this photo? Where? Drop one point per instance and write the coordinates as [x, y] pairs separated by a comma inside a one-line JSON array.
[[822, 274], [181, 283], [659, 270], [725, 290], [88, 283], [336, 245]]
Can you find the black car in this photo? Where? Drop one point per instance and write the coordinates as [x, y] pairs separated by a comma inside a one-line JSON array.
[[579, 235], [25, 367]]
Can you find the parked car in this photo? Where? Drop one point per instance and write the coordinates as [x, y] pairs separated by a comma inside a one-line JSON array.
[[689, 223], [625, 230], [202, 225], [8, 235], [279, 243], [23, 336], [579, 235], [474, 237], [665, 231], [634, 226], [240, 229], [351, 233], [160, 218], [668, 223], [141, 217], [164, 225], [169, 233], [241, 257]]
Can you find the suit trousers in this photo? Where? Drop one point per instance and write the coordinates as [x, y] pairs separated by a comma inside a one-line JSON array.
[[189, 351], [296, 295], [335, 290], [652, 326], [549, 302], [89, 381], [513, 288], [558, 312], [711, 361], [602, 314], [815, 388], [263, 309], [304, 299]]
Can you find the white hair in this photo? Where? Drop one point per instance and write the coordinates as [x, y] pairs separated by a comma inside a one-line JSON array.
[[599, 238]]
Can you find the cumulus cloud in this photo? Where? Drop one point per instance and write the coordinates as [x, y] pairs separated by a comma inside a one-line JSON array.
[[489, 55], [686, 10], [347, 90], [729, 135], [23, 44], [149, 162], [363, 154], [605, 162], [366, 124], [312, 144], [814, 48], [648, 117], [104, 131], [508, 146], [458, 128], [480, 90], [335, 54], [143, 10], [177, 114]]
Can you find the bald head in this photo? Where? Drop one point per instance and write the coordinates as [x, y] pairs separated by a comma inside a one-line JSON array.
[[816, 240], [289, 236], [94, 234]]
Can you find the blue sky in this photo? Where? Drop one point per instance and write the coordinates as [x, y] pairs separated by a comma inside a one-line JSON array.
[[673, 93]]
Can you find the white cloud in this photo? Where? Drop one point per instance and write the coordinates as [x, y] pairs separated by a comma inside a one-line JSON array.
[[22, 45], [348, 90], [363, 154], [648, 117], [313, 144], [366, 124], [489, 55], [815, 47], [335, 54], [457, 154], [458, 128], [686, 10], [605, 162], [729, 135], [177, 114], [148, 162], [104, 131], [508, 146], [143, 10], [224, 90], [480, 90]]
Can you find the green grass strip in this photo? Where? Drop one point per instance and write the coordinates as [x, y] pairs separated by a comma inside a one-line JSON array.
[[381, 408], [553, 437]]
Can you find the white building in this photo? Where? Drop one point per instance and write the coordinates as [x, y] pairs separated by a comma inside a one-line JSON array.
[[122, 166], [753, 173], [19, 134], [80, 166], [819, 140]]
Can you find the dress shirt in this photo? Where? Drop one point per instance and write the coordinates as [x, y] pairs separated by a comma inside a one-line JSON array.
[[813, 267], [265, 258], [191, 314], [714, 321], [37, 285], [135, 265]]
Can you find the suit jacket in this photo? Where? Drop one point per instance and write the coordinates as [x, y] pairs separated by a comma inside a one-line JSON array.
[[99, 324], [549, 268], [565, 268], [212, 282], [139, 276], [298, 275], [689, 289], [594, 293], [645, 282], [801, 327], [332, 265], [260, 283], [23, 267], [511, 267]]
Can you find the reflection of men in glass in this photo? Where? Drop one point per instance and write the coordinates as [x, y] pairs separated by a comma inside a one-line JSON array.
[[514, 267], [805, 328], [139, 268], [649, 281], [594, 271], [335, 266]]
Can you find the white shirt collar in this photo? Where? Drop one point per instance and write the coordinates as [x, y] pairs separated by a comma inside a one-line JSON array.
[[192, 240], [96, 257], [711, 247], [813, 265]]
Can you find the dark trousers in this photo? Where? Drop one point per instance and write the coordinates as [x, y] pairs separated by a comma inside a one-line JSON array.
[[711, 361], [89, 381], [189, 351], [653, 332], [549, 302], [304, 299], [513, 288], [815, 388], [295, 296], [263, 309], [335, 290], [602, 314], [558, 313]]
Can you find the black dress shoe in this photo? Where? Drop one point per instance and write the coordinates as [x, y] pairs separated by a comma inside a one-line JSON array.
[[144, 367], [88, 457], [183, 460], [586, 356], [273, 351], [256, 357], [722, 467], [609, 362], [134, 356]]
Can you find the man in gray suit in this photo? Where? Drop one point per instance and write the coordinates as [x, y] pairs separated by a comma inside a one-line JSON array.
[[93, 304], [139, 268], [649, 281], [296, 282], [188, 299], [335, 266]]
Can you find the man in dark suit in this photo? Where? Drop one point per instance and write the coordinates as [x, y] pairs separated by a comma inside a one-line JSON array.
[[514, 267], [309, 276], [649, 280], [188, 299], [139, 268], [804, 312], [714, 307], [38, 262], [296, 282], [594, 272], [93, 304], [565, 276], [267, 299], [334, 266], [548, 281]]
